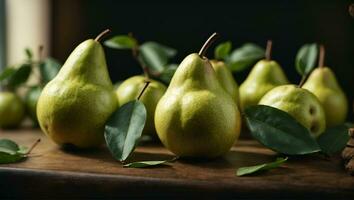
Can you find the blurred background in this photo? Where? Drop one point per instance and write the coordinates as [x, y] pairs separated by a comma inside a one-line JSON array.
[[61, 25]]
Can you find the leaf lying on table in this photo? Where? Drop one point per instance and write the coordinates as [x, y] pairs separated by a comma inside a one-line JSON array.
[[11, 152], [124, 128], [148, 163], [262, 167], [334, 139], [279, 131]]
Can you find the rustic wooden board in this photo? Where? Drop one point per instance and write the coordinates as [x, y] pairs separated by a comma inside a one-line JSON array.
[[54, 173]]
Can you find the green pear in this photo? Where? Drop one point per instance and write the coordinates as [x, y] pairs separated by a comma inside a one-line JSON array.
[[196, 117], [31, 100], [131, 88], [12, 110], [74, 107], [265, 75], [225, 78], [323, 83], [299, 103]]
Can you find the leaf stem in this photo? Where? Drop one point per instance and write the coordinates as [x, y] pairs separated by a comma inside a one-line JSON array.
[[102, 34], [207, 44], [33, 146], [322, 56], [147, 82], [135, 53], [268, 52]]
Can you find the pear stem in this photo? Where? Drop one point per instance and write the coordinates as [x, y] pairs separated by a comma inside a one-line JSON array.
[[147, 82], [322, 56], [268, 52], [102, 34], [207, 44], [303, 79], [33, 145]]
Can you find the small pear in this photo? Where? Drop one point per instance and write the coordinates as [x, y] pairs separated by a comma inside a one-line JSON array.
[[74, 107], [131, 88], [299, 103], [196, 117], [31, 100], [12, 110], [225, 78], [264, 76], [323, 83]]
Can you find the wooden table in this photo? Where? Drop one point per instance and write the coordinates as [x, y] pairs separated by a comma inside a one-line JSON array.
[[51, 172]]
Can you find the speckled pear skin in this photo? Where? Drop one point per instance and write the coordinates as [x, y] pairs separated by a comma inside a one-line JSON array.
[[265, 75], [196, 117], [226, 79], [74, 107], [299, 103], [130, 90], [323, 83]]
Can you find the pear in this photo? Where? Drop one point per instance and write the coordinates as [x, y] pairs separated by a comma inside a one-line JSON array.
[[31, 100], [196, 117], [12, 110], [74, 107], [225, 78], [264, 76], [131, 88], [323, 83], [300, 104]]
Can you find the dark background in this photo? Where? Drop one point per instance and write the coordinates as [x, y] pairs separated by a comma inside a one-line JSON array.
[[186, 25]]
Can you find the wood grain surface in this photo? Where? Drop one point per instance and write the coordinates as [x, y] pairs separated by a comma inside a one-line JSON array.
[[51, 172]]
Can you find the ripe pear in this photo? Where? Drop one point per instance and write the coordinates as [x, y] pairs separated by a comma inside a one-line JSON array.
[[74, 107], [299, 103], [265, 75], [323, 83], [131, 88], [12, 110], [196, 117], [225, 78]]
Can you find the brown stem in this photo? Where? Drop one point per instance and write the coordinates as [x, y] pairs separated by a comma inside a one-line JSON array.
[[303, 79], [40, 53], [33, 145], [135, 53], [147, 82], [207, 44], [268, 52], [322, 56], [102, 34]]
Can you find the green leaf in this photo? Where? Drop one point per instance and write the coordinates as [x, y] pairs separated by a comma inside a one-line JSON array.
[[222, 50], [20, 76], [8, 146], [306, 59], [244, 57], [29, 53], [6, 73], [145, 164], [121, 42], [334, 139], [167, 74], [49, 68], [10, 158], [155, 56], [124, 128], [10, 152], [279, 131], [262, 167]]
